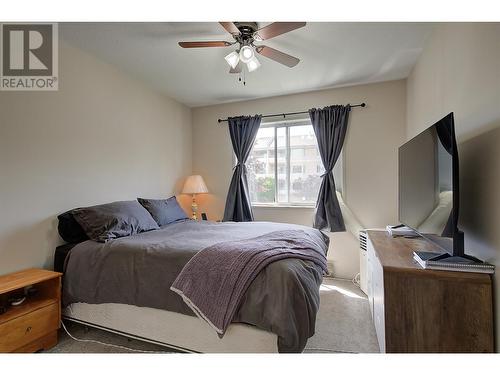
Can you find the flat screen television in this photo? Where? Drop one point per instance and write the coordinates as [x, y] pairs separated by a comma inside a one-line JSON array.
[[429, 187]]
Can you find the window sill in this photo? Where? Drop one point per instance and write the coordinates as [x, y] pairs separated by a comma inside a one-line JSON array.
[[263, 205]]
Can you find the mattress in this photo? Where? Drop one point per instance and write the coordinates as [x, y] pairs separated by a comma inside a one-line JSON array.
[[139, 271], [174, 330]]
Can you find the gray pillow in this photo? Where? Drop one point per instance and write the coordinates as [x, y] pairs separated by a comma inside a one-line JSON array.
[[112, 220], [164, 211]]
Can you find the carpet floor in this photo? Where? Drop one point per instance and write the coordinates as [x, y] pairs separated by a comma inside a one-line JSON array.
[[343, 325]]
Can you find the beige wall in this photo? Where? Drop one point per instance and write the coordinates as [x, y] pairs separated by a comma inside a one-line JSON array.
[[459, 71], [101, 137], [370, 154]]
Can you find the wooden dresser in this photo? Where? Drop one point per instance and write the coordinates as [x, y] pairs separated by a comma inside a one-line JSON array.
[[33, 325], [425, 311]]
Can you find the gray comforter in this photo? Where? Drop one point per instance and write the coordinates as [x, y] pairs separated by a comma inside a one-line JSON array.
[[139, 270]]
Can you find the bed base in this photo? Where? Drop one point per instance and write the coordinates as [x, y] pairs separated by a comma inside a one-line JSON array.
[[128, 335], [172, 330]]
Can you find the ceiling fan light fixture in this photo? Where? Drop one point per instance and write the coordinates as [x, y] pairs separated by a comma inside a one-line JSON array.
[[244, 34], [233, 59], [253, 64], [246, 54]]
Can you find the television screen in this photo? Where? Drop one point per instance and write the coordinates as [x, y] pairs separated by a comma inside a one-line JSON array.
[[427, 172]]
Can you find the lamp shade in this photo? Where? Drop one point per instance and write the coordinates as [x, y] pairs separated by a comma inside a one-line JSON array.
[[233, 59], [253, 64], [194, 185]]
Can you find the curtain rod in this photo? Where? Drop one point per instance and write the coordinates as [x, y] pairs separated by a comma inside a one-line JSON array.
[[292, 113]]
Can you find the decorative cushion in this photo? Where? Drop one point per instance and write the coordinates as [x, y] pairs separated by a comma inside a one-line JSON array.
[[113, 220], [164, 211], [69, 229]]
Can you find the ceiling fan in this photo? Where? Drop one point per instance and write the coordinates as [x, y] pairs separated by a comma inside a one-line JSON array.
[[245, 34]]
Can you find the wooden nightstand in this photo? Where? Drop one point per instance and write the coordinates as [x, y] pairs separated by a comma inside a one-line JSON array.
[[33, 325]]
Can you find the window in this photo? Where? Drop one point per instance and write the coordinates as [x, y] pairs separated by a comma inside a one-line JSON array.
[[284, 166]]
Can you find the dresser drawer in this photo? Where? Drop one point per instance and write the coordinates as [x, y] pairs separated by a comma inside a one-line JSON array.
[[21, 331]]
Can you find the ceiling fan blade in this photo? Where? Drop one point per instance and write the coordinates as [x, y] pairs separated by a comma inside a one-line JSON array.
[[230, 27], [277, 28], [237, 69], [204, 44], [277, 56]]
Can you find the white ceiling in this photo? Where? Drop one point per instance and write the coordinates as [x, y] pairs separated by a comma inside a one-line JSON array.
[[331, 54]]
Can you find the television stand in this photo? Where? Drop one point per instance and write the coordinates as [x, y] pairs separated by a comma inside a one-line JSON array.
[[458, 252], [456, 258]]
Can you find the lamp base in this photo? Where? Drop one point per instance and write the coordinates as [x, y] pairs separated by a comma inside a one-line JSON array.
[[194, 208]]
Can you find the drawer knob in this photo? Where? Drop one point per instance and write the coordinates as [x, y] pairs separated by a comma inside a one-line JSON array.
[[28, 330]]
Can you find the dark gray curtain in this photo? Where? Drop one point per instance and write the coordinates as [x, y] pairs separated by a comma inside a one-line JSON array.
[[243, 131], [330, 127]]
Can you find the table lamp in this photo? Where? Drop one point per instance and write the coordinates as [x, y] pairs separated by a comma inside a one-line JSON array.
[[194, 185]]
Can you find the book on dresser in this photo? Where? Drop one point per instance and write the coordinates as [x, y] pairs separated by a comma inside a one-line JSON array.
[[424, 259]]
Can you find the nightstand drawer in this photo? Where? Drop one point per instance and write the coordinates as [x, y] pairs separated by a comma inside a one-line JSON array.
[[21, 331]]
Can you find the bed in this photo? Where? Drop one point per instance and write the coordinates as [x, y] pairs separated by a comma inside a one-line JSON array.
[[123, 286]]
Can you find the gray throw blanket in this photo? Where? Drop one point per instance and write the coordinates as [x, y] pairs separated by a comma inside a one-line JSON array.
[[215, 280]]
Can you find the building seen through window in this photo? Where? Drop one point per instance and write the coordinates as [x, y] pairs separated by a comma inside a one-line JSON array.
[[284, 166]]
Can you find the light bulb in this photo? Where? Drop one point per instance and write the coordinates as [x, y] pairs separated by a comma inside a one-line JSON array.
[[246, 54], [233, 59], [253, 64]]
